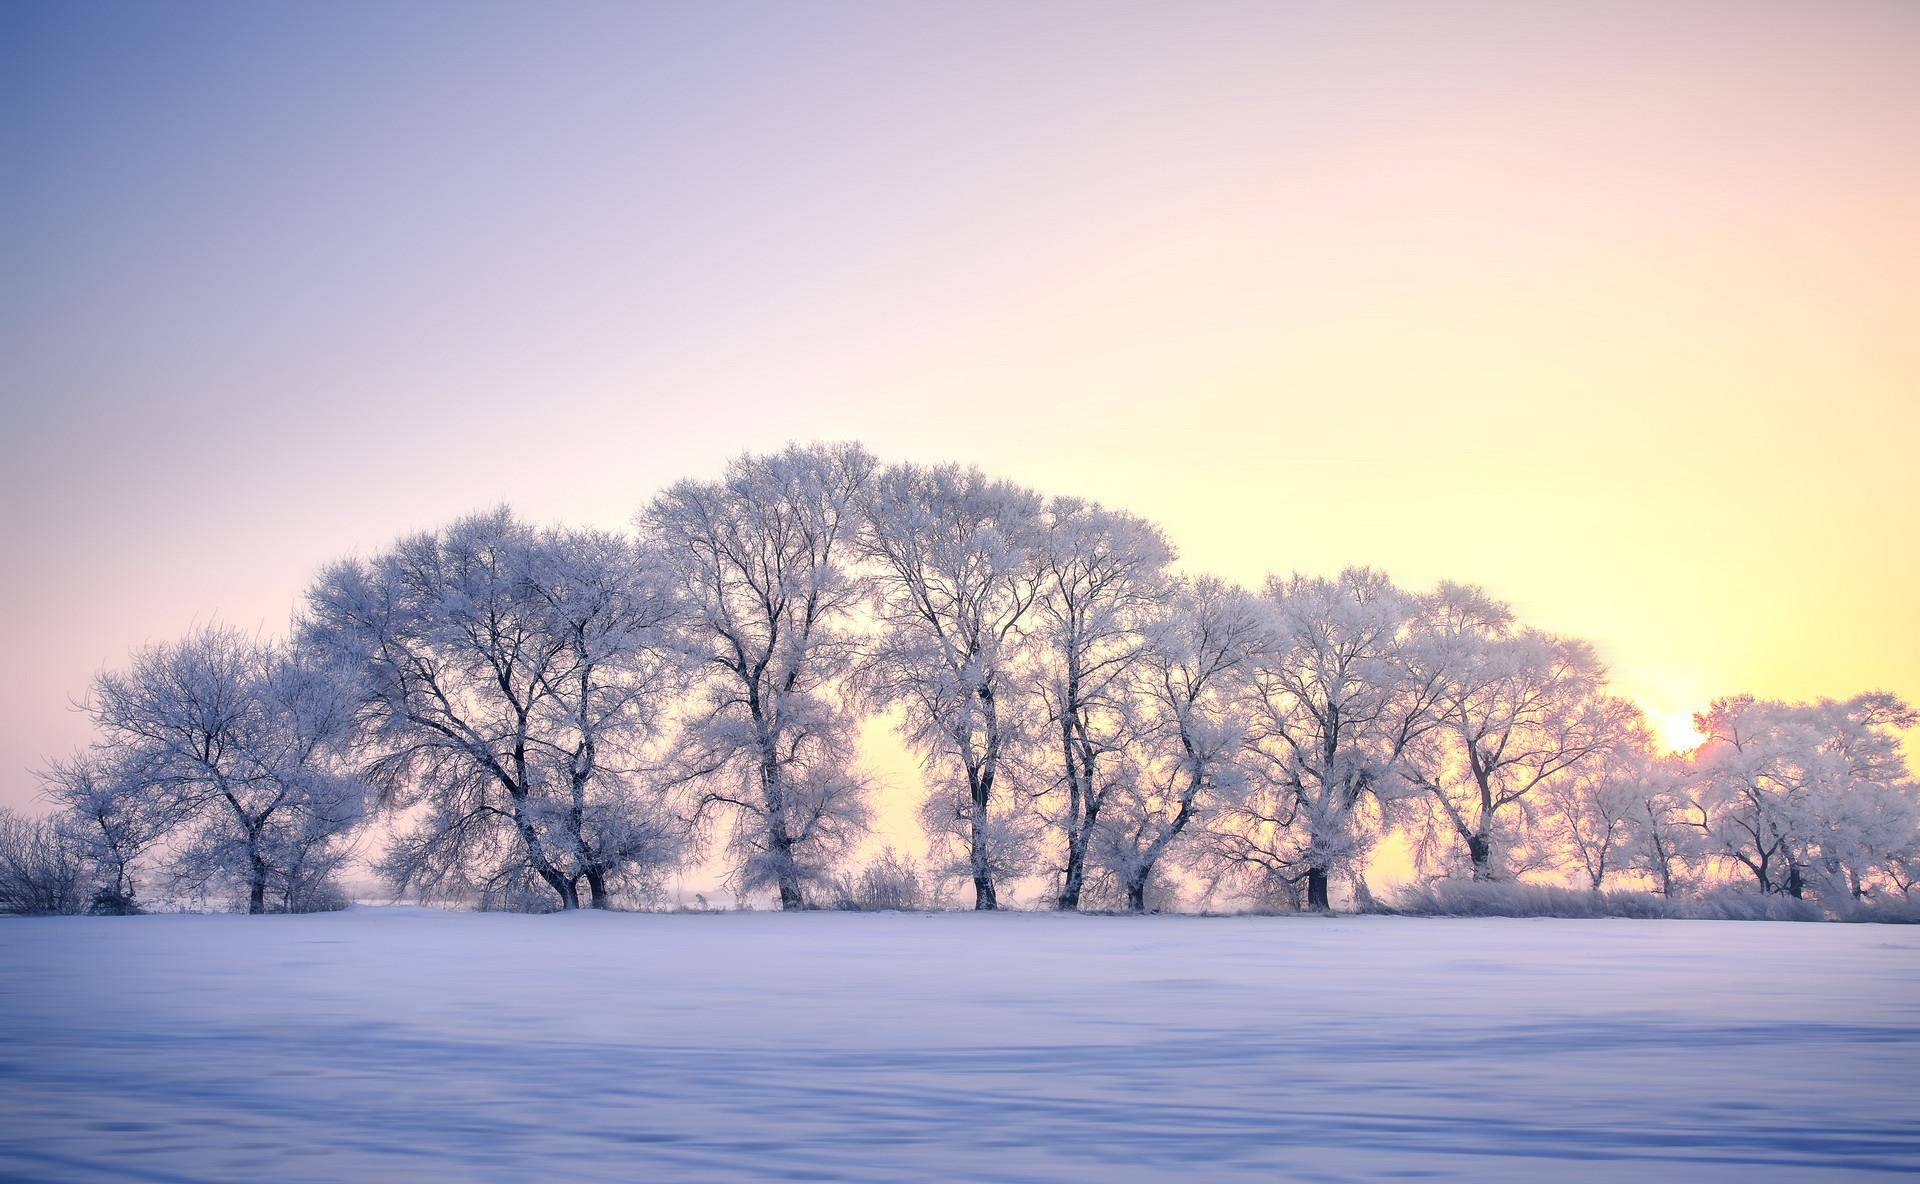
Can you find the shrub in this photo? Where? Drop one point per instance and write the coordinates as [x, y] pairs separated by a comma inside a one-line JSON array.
[[1894, 911], [891, 883], [320, 896], [42, 869], [111, 902], [1481, 898], [1727, 904], [1470, 898]]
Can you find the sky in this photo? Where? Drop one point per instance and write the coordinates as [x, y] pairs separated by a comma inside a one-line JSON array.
[[1609, 308]]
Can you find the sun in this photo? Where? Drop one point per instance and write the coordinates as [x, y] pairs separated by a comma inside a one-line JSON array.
[[1675, 730]]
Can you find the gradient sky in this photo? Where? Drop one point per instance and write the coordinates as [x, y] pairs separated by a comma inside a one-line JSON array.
[[1612, 308]]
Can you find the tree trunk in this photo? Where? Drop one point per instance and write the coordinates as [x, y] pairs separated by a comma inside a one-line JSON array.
[[1317, 890], [563, 888], [791, 898], [597, 887], [257, 877], [1082, 809], [537, 854], [1796, 883], [773, 797], [1481, 851], [1137, 893], [984, 897], [786, 875], [1075, 879]]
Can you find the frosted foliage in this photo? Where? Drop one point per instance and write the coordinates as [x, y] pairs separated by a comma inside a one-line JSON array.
[[1336, 701], [234, 748], [958, 563], [111, 815], [1808, 796], [762, 558], [1188, 761], [1103, 582], [1516, 710], [510, 683]]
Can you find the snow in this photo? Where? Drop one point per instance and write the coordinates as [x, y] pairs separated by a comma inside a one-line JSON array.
[[388, 1044]]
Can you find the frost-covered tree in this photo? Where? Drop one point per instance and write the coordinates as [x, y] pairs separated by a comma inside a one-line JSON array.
[[1517, 711], [1188, 752], [1900, 868], [114, 823], [1805, 795], [509, 683], [1595, 818], [1102, 579], [1663, 836], [608, 604], [1870, 810], [1337, 702], [1755, 781], [237, 745], [1860, 837], [763, 561], [958, 568]]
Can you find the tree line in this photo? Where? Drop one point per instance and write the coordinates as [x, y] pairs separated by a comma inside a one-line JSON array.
[[568, 717]]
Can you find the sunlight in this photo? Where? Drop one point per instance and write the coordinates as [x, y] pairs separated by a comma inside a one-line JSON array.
[[1675, 730]]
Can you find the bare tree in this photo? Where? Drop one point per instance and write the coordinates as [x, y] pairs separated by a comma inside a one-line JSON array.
[[1189, 749], [1102, 578], [762, 558], [508, 684], [958, 559]]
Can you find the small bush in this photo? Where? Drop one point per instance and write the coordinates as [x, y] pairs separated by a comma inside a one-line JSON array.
[[1882, 912], [891, 883], [1474, 898], [111, 902], [323, 896], [42, 870], [1469, 898], [1727, 904]]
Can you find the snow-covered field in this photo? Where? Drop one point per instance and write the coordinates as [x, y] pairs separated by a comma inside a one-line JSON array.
[[403, 1044]]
